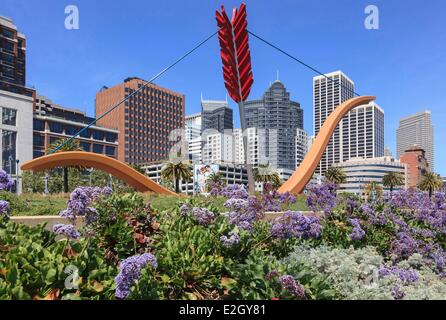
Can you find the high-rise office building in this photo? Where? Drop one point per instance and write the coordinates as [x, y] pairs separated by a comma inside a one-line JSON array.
[[276, 118], [417, 129], [145, 121], [193, 126], [301, 146], [359, 134], [52, 122], [13, 59], [216, 116]]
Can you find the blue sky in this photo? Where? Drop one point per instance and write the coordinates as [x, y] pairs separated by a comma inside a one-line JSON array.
[[403, 63]]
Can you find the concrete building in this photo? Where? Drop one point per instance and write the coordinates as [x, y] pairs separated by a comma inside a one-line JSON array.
[[218, 148], [417, 129], [231, 174], [361, 171], [13, 59], [276, 118], [16, 128], [193, 126], [216, 115], [301, 146], [145, 121], [359, 134], [417, 165], [52, 122]]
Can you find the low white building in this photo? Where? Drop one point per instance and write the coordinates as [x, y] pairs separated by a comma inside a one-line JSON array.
[[360, 172], [16, 127], [231, 174]]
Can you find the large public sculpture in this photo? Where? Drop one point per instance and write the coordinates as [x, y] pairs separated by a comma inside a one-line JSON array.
[[237, 73], [305, 171], [92, 160]]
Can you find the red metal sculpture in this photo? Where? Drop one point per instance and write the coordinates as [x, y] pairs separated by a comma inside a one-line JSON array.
[[237, 71], [235, 54]]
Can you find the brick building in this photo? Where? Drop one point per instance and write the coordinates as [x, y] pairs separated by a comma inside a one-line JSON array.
[[417, 165], [145, 121]]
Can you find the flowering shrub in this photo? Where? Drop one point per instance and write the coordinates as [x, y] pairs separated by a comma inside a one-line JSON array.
[[322, 198], [6, 182], [67, 230], [130, 271], [296, 225]]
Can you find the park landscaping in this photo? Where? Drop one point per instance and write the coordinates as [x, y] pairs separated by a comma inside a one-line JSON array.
[[134, 246]]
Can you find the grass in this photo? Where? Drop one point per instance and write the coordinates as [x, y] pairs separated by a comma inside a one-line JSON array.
[[29, 204]]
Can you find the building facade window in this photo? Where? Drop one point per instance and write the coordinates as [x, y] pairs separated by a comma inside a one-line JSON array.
[[9, 116], [98, 148], [9, 149]]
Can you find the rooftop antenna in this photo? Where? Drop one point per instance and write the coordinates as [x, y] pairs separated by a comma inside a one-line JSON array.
[[201, 96], [277, 75]]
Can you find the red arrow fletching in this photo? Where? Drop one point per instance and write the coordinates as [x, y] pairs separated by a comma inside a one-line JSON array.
[[235, 54]]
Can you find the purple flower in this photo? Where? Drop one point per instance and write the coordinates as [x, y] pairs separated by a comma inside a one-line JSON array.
[[357, 233], [322, 198], [237, 191], [79, 204], [296, 225], [130, 271], [293, 288], [4, 208], [203, 216], [243, 212], [6, 182], [405, 275], [67, 230], [231, 240]]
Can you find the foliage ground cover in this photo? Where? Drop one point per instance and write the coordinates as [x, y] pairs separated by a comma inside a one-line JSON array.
[[201, 248]]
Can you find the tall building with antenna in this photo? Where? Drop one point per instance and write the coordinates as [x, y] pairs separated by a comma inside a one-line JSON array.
[[360, 134]]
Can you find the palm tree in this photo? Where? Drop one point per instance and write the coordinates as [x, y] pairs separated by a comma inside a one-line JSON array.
[[335, 175], [393, 179], [373, 190], [267, 174], [175, 170], [430, 182], [214, 179], [71, 145]]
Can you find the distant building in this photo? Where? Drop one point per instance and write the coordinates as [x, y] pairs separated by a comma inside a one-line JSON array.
[[13, 59], [216, 116], [52, 122], [417, 130], [193, 126], [388, 152], [16, 128], [417, 165], [361, 172], [145, 121], [193, 137], [301, 146], [231, 174], [359, 134], [16, 101], [276, 118]]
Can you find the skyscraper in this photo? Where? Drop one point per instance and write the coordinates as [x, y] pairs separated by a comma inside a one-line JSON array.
[[145, 121], [193, 126], [13, 59], [360, 134], [276, 119], [417, 129], [216, 115]]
